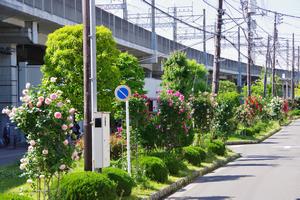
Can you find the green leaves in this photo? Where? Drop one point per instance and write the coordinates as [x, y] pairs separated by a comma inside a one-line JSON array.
[[183, 75], [64, 60]]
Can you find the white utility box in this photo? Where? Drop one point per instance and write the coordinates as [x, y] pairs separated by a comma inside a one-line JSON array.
[[101, 137]]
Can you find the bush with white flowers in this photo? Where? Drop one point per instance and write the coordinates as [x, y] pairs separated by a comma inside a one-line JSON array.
[[45, 117]]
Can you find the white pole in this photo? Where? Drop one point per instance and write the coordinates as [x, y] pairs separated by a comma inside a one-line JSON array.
[[128, 138], [93, 70]]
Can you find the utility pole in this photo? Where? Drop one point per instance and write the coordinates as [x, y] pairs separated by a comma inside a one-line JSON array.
[[266, 67], [274, 54], [87, 86], [293, 69], [298, 64], [239, 78], [204, 37], [175, 24], [153, 35], [216, 67], [287, 70], [125, 11], [250, 35]]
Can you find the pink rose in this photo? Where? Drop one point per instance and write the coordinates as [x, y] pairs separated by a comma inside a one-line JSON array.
[[53, 96], [57, 115], [64, 127], [30, 148], [169, 91], [41, 99], [48, 101], [177, 94], [39, 104], [119, 129], [59, 104], [72, 111], [32, 142], [181, 97], [62, 167], [66, 142]]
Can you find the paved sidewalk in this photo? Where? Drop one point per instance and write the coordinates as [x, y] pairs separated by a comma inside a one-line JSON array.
[[9, 155], [266, 171]]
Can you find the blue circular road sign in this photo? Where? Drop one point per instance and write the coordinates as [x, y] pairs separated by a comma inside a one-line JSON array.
[[122, 93]]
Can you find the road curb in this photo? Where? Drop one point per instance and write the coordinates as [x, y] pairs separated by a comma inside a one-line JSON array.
[[241, 142], [188, 179]]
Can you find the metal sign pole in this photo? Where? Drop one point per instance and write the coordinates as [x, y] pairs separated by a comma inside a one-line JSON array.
[[128, 138], [93, 77]]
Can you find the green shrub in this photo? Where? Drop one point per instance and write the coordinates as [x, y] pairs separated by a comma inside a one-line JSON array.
[[224, 112], [247, 131], [85, 185], [124, 182], [259, 126], [295, 112], [216, 147], [194, 155], [11, 196], [227, 86], [154, 168], [173, 162]]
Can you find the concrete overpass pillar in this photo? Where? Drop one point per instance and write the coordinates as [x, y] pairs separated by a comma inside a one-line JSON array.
[[8, 81]]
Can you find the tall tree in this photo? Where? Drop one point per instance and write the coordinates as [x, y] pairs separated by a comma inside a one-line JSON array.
[[64, 60], [184, 75], [132, 73]]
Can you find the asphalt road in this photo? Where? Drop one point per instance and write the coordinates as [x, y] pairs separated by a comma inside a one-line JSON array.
[[10, 156], [266, 171]]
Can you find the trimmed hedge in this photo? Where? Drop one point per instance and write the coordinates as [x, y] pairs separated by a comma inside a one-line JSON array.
[[217, 147], [11, 196], [124, 182], [85, 185], [154, 168], [173, 162], [194, 155]]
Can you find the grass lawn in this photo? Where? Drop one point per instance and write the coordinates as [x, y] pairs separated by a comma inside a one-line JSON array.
[[238, 137], [11, 182]]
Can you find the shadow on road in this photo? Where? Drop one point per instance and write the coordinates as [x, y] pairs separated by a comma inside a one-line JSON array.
[[252, 165], [201, 198], [260, 157], [220, 178]]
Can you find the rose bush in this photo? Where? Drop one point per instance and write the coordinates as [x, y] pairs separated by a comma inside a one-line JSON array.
[[46, 118], [173, 120]]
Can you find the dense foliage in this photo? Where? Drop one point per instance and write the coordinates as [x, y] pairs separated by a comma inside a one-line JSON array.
[[194, 155], [85, 185], [173, 162], [183, 75], [124, 182], [227, 86], [64, 60], [132, 73], [202, 111], [154, 168], [13, 196], [216, 147]]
